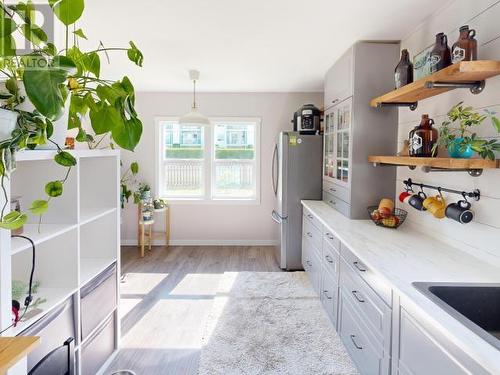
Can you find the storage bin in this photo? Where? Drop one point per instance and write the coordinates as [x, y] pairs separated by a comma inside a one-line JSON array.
[[53, 328], [98, 299], [98, 348]]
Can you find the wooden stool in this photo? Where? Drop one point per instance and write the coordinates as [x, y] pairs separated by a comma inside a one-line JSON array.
[[145, 233]]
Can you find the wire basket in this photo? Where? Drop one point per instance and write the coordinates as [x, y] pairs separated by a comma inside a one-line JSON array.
[[392, 220]]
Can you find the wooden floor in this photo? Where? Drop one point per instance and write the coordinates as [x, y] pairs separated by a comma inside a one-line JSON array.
[[166, 298]]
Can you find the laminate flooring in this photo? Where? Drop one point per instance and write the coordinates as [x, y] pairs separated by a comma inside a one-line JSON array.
[[165, 301]]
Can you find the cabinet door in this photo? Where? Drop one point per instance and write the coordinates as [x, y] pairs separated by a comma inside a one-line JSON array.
[[416, 343], [338, 80], [329, 146], [343, 142]]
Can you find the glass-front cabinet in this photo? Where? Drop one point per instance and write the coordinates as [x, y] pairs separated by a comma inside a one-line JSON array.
[[337, 147]]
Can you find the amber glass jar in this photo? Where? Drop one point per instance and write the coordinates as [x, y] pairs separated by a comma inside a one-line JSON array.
[[465, 48], [404, 70], [423, 138], [440, 56]]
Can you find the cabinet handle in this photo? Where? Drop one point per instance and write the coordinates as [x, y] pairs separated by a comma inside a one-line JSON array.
[[309, 234], [332, 202], [328, 258], [309, 263], [355, 344], [333, 190], [355, 293], [310, 216], [335, 101], [361, 269], [325, 292], [330, 236]]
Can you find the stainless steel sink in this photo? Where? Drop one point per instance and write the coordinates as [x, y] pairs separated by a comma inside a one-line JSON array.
[[477, 306]]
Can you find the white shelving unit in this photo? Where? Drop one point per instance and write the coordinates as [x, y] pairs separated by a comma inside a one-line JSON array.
[[78, 239]]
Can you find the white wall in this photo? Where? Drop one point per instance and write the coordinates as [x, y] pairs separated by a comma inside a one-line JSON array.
[[482, 237], [216, 224]]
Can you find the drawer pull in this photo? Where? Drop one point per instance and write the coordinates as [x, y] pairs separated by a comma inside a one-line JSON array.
[[333, 190], [330, 236], [309, 234], [328, 258], [325, 292], [309, 263], [355, 293], [355, 343], [332, 202], [360, 268], [310, 216]]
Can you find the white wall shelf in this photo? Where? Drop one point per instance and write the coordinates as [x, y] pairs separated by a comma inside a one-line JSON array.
[[79, 237]]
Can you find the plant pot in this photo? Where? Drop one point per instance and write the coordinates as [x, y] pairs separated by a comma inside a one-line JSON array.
[[145, 195], [8, 122], [60, 125], [455, 150]]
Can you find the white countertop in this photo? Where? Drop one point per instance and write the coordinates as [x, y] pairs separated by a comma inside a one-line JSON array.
[[404, 256]]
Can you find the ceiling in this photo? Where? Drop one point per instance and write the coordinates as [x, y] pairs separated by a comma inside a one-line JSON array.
[[243, 45]]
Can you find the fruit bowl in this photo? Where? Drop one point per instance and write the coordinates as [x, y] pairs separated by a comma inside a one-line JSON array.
[[388, 220]]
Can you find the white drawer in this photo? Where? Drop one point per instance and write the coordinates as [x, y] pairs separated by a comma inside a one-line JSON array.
[[312, 218], [331, 260], [331, 239], [330, 296], [337, 191], [341, 206], [312, 233]]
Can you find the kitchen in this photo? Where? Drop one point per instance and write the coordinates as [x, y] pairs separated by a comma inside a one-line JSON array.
[[330, 213]]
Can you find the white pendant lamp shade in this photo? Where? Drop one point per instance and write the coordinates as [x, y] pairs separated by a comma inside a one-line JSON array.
[[194, 117]]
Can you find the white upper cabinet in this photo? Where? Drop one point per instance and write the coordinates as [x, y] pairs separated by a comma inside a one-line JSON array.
[[338, 80]]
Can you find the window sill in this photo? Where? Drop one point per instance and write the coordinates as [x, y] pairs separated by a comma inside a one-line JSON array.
[[213, 202]]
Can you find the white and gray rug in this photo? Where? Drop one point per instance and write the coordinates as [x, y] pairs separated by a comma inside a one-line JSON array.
[[270, 323]]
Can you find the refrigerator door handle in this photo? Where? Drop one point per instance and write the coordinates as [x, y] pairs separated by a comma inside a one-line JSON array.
[[278, 218], [275, 170]]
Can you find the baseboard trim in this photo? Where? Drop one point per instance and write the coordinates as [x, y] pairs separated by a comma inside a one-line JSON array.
[[159, 242]]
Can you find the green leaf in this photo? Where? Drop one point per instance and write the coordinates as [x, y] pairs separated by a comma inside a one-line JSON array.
[[34, 34], [105, 118], [65, 159], [13, 220], [496, 123], [7, 46], [81, 136], [135, 55], [44, 85], [68, 11], [80, 33], [134, 167], [7, 26], [50, 49], [65, 64], [39, 207], [54, 188], [92, 63], [128, 135]]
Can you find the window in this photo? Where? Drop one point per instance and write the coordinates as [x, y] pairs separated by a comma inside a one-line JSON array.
[[212, 163]]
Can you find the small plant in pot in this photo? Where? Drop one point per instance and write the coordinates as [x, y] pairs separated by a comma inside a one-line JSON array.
[[128, 181], [457, 133], [143, 193], [50, 90]]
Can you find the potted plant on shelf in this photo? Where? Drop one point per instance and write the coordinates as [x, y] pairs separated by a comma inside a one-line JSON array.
[[128, 181], [51, 90], [457, 134]]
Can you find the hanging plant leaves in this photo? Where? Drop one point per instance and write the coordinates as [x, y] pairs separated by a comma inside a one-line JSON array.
[[65, 159], [68, 11], [7, 26], [105, 118], [54, 188], [134, 167], [7, 46], [129, 134], [39, 207], [496, 123], [92, 63], [80, 33], [13, 220], [135, 55], [81, 136], [42, 83], [34, 33]]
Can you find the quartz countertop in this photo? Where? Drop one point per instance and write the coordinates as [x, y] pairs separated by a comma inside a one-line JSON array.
[[404, 256]]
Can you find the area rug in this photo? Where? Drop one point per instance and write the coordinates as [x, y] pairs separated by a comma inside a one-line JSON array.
[[270, 323]]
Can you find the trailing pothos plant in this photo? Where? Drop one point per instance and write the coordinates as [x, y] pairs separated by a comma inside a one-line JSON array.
[[49, 78], [128, 182]]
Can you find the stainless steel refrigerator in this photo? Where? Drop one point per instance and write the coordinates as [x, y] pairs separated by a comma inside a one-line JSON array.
[[297, 175]]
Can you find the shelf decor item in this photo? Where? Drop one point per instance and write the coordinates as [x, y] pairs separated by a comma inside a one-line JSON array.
[[465, 48], [423, 138], [460, 140], [422, 63], [440, 56], [393, 220], [404, 70], [128, 182]]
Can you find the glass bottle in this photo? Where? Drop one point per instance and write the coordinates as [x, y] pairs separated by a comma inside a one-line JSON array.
[[440, 56], [465, 48], [423, 138], [404, 70]]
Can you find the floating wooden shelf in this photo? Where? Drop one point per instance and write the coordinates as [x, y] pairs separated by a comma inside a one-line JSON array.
[[473, 166], [444, 163], [465, 74]]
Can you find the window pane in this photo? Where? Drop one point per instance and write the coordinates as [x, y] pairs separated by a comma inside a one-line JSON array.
[[183, 141], [234, 165], [183, 172], [234, 141]]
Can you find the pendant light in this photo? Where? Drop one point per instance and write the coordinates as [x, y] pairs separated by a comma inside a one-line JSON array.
[[194, 117]]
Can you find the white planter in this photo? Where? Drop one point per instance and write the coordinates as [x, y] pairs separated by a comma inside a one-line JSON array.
[[8, 122], [60, 125]]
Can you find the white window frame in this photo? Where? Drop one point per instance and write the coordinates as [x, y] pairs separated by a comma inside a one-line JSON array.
[[209, 162]]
